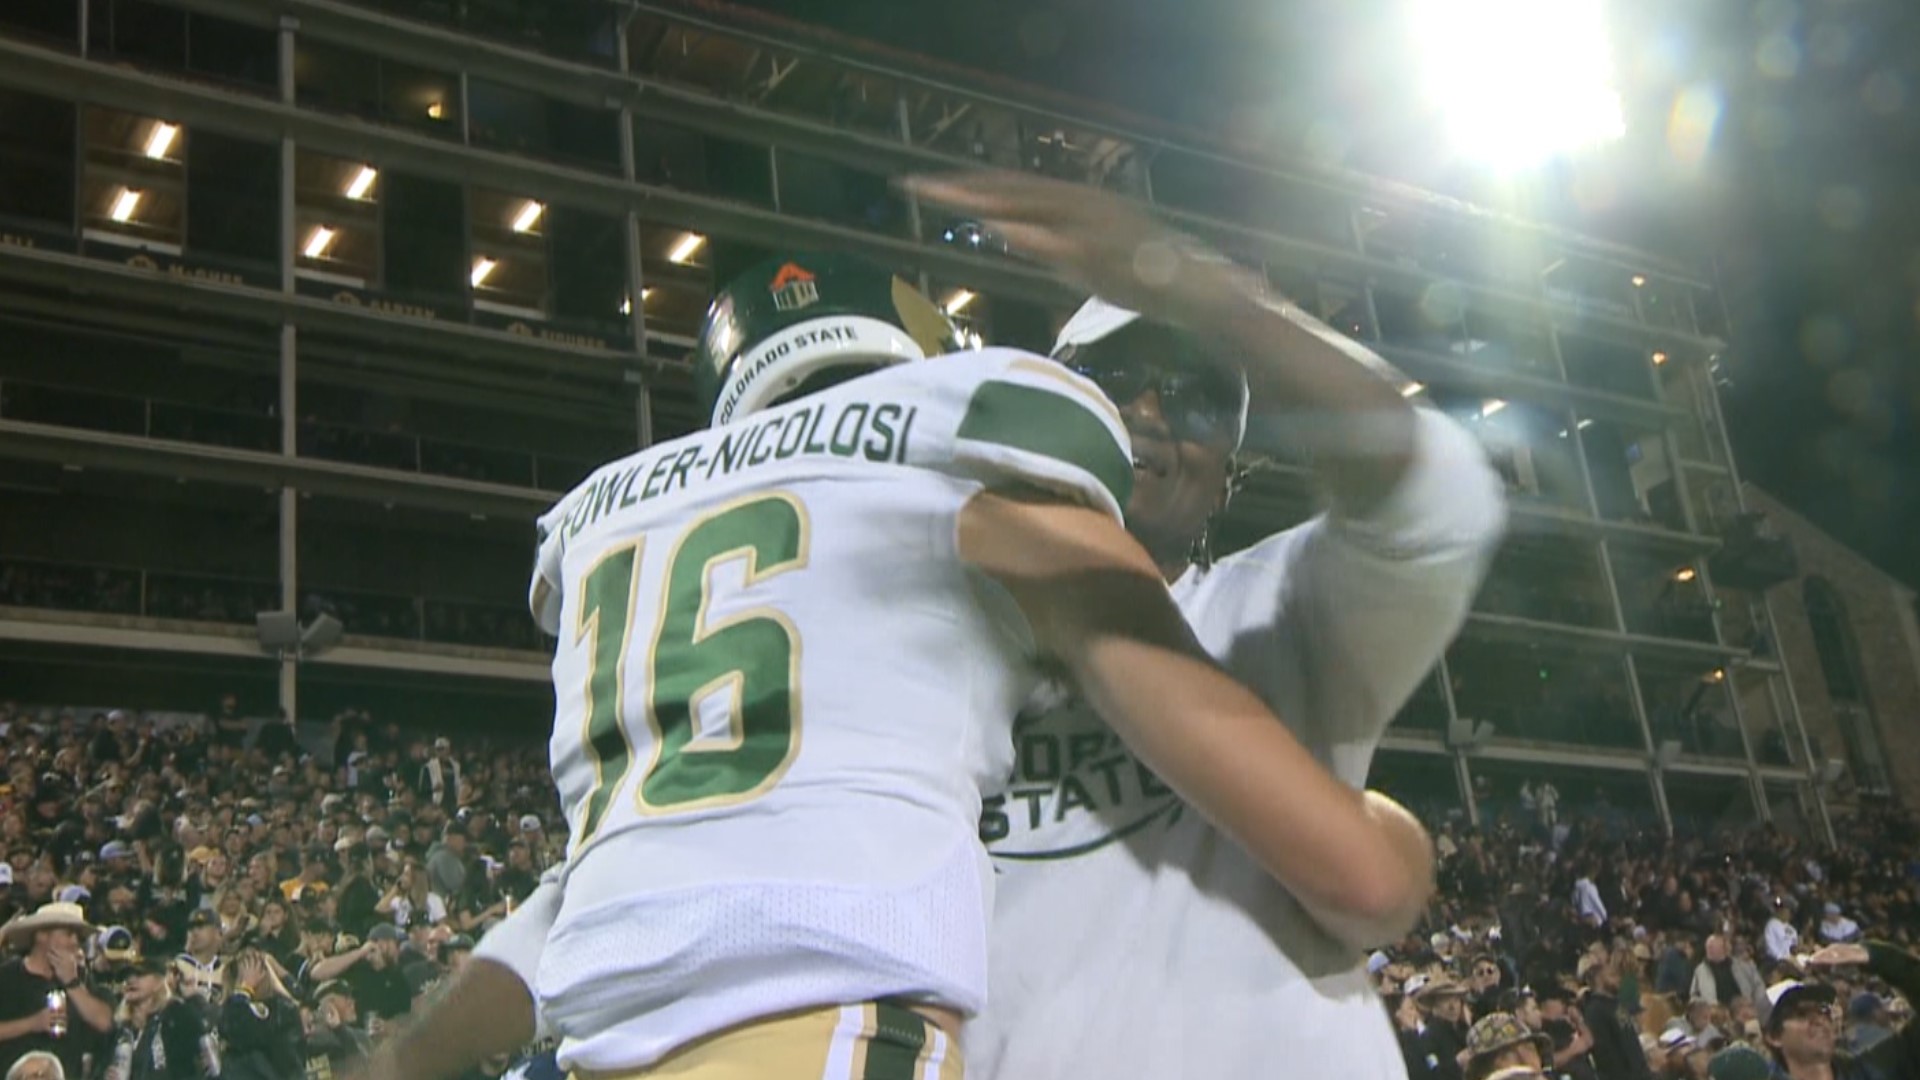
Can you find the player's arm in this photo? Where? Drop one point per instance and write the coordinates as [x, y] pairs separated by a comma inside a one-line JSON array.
[[486, 1008], [1098, 606]]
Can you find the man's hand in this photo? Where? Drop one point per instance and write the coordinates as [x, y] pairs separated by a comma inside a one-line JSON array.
[[1839, 956], [1094, 240], [66, 966]]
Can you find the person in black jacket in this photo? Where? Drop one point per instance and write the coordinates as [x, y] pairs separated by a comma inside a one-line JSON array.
[[169, 1037], [260, 1023], [1616, 1053]]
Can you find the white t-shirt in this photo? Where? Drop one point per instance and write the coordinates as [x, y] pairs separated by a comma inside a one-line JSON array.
[[403, 911], [1781, 939], [1132, 939]]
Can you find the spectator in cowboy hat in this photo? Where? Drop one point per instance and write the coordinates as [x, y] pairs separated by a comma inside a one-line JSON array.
[[1499, 1041], [1434, 1049], [54, 961]]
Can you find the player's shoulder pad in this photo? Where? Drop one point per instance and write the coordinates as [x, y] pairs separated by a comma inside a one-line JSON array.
[[1016, 419]]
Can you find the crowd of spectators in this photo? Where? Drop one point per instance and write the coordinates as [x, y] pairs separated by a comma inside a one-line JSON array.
[[218, 896], [1593, 946], [225, 897]]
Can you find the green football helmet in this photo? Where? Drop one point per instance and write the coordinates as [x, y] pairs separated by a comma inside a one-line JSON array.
[[795, 325]]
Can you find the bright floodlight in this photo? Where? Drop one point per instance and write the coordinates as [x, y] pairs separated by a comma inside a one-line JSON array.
[[1520, 81]]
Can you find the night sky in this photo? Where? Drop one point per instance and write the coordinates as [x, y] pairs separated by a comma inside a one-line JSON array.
[[1808, 196]]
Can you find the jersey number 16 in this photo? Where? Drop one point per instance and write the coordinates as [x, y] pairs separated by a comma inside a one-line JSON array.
[[752, 657]]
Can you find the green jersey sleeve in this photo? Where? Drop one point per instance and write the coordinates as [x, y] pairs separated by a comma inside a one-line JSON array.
[[1025, 421]]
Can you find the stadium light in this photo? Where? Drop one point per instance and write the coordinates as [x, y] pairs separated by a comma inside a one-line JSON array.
[[124, 205], [529, 215], [684, 250], [958, 301], [362, 182], [1659, 358], [1684, 574], [161, 139], [319, 242], [482, 268], [436, 111], [626, 302], [1519, 81]]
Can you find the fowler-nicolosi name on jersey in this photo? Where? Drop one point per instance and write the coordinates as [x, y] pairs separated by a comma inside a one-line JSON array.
[[873, 431]]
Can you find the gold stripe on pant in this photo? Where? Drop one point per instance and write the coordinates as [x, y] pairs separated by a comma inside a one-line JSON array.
[[869, 1041]]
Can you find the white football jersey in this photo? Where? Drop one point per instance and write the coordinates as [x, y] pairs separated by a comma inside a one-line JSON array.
[[779, 695], [1131, 937]]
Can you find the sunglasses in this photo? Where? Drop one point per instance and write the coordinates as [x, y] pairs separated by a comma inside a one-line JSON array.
[[1200, 402]]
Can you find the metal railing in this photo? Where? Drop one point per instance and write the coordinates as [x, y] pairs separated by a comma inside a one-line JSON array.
[[234, 601], [155, 418]]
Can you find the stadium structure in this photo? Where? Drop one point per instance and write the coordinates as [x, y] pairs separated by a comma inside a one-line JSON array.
[[307, 307]]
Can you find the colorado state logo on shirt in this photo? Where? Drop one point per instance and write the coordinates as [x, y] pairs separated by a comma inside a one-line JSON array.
[[1075, 787]]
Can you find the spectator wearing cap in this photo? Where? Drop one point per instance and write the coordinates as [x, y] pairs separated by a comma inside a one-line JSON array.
[[532, 829], [455, 953], [1500, 1041], [447, 867], [115, 948], [372, 971], [260, 1023], [1433, 1051], [200, 970], [518, 879], [337, 1042], [169, 1035], [439, 780], [53, 962], [1671, 1048], [311, 879], [1801, 1032], [1869, 1021], [1617, 1053], [1836, 928]]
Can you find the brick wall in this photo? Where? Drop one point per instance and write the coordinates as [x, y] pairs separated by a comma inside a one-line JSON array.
[[1881, 613]]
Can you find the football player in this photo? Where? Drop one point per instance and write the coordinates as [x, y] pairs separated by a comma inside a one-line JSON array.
[[791, 650]]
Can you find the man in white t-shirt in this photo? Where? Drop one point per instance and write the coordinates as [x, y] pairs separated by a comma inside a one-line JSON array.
[[1780, 938], [1836, 928], [1131, 937]]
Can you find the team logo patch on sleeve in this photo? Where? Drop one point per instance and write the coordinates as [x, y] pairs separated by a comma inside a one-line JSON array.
[[793, 288]]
